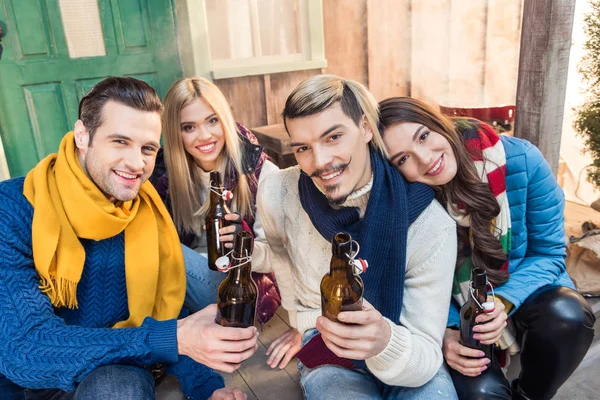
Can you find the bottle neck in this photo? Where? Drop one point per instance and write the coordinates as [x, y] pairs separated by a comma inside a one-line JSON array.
[[480, 294], [241, 256], [216, 193], [242, 272], [340, 266]]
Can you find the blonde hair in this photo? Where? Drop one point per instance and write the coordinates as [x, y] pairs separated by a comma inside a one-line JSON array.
[[184, 175], [319, 92]]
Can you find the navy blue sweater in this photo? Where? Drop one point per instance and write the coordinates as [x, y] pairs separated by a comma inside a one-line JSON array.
[[45, 347]]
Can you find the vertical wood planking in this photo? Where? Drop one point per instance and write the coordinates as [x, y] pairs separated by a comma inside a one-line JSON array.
[[430, 50], [467, 53], [345, 25], [543, 67], [389, 47], [246, 96], [502, 52]]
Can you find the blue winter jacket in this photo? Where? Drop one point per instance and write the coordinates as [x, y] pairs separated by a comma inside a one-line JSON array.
[[537, 256]]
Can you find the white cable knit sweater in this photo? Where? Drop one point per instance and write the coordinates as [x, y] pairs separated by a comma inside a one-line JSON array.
[[300, 256]]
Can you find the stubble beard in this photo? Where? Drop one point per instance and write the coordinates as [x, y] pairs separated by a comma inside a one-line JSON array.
[[111, 189]]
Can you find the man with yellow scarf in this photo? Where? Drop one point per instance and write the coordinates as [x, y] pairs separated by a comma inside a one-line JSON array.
[[92, 277]]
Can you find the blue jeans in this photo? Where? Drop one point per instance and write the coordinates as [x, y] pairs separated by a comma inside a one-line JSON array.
[[331, 382], [107, 382], [202, 282]]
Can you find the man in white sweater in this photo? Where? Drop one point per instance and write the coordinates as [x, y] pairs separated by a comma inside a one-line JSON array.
[[332, 123]]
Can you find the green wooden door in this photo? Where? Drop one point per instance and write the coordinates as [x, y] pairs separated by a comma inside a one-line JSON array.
[[44, 73]]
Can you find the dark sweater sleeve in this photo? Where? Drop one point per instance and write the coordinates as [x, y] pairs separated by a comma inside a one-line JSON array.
[[197, 381], [37, 348]]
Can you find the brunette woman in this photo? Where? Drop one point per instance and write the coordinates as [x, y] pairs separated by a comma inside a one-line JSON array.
[[509, 210]]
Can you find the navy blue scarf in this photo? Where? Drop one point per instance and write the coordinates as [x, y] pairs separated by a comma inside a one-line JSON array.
[[393, 205]]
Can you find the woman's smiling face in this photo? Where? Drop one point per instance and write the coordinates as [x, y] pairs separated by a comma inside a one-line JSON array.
[[420, 154], [202, 132]]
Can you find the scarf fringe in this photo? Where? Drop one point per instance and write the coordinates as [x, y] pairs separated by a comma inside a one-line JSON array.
[[62, 292]]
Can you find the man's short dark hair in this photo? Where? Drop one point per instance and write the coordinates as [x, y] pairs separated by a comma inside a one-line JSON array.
[[125, 90]]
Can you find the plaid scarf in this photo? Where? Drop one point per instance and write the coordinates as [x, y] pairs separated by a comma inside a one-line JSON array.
[[485, 148]]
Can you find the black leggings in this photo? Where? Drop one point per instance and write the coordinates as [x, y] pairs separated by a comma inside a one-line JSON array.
[[555, 327]]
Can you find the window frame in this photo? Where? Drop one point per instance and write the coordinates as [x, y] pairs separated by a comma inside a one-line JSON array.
[[193, 34]]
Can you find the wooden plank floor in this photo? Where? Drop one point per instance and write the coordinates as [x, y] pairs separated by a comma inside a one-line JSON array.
[[257, 379]]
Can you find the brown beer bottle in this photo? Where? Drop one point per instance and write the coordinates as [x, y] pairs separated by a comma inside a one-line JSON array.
[[472, 309], [238, 291], [341, 289], [215, 220]]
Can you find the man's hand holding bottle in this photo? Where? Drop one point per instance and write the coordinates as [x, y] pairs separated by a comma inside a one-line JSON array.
[[218, 347], [363, 334]]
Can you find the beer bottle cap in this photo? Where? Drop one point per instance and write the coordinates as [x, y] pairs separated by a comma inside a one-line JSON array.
[[488, 307], [227, 195], [222, 263]]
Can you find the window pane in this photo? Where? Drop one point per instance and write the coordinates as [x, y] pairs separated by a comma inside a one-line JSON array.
[[279, 22], [229, 29], [83, 29]]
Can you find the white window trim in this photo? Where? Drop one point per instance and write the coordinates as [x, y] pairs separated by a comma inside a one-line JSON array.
[[194, 48]]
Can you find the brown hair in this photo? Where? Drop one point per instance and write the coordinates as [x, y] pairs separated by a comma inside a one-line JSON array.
[[125, 90], [184, 175], [465, 188]]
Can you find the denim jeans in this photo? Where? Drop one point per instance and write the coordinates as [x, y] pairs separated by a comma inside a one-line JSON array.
[[333, 382], [108, 382], [202, 282]]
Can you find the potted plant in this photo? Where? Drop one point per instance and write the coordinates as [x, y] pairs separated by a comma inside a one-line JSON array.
[[587, 121]]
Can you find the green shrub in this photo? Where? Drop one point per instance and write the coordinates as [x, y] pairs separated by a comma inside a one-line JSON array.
[[587, 121]]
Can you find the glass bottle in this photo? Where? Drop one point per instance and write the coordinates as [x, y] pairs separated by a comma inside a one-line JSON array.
[[341, 288], [472, 309], [215, 220], [238, 291]]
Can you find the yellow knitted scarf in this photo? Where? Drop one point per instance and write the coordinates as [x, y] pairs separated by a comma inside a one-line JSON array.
[[68, 206]]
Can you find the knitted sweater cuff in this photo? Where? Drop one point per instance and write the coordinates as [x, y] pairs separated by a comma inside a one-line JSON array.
[[162, 336], [397, 352], [306, 320], [209, 386]]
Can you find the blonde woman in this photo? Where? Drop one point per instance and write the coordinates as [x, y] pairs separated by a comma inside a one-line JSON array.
[[201, 135]]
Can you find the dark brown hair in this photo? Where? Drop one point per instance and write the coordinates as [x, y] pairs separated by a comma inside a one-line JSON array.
[[125, 90], [466, 188]]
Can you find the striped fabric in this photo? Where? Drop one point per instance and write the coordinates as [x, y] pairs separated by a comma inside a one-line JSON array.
[[484, 146]]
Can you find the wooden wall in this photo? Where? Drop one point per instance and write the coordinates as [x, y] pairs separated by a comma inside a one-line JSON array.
[[450, 52]]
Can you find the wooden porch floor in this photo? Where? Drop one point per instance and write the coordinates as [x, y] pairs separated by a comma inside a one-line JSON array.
[[257, 379]]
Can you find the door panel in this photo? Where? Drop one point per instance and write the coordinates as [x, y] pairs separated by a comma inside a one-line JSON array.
[[30, 44], [85, 85], [40, 85], [150, 79], [131, 26], [47, 113]]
